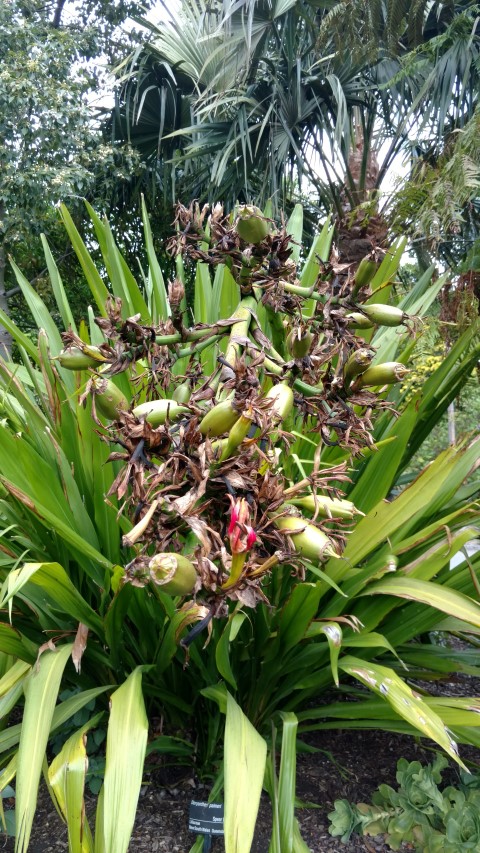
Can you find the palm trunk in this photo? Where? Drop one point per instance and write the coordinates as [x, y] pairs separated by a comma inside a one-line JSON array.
[[361, 230]]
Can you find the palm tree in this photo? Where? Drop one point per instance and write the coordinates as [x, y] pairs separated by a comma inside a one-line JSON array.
[[257, 100]]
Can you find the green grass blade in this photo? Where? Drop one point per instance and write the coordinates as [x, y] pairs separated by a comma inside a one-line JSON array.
[[297, 614], [99, 824], [320, 250], [63, 712], [17, 672], [90, 558], [389, 265], [122, 280], [202, 305], [13, 643], [379, 472], [202, 309], [126, 745], [245, 757], [299, 845], [424, 496], [334, 636], [41, 690], [222, 651]]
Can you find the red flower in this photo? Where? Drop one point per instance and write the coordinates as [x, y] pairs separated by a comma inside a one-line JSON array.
[[240, 532]]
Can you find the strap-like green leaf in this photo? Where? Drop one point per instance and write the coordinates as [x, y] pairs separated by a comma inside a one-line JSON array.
[[295, 229], [447, 600], [284, 833], [160, 301], [297, 614], [245, 756], [407, 704], [58, 289], [222, 651], [93, 277], [39, 310], [53, 579], [126, 745], [66, 776], [41, 690]]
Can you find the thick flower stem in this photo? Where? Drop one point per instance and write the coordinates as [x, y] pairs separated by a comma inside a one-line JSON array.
[[238, 562], [242, 315], [298, 384], [306, 292], [198, 348], [191, 335]]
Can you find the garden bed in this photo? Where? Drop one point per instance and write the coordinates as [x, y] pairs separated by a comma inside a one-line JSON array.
[[351, 765]]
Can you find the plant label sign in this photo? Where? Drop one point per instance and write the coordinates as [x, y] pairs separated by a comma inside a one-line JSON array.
[[206, 818]]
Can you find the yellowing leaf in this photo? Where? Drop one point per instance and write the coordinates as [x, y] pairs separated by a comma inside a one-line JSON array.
[[407, 704], [245, 756], [41, 690], [126, 745], [66, 776]]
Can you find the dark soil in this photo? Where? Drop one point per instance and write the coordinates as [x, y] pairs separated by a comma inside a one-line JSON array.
[[351, 766]]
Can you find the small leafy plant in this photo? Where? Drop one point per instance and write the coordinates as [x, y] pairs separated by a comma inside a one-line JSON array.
[[419, 812]]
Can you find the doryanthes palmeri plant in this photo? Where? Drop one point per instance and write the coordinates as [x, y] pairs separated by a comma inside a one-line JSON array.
[[201, 507], [215, 464]]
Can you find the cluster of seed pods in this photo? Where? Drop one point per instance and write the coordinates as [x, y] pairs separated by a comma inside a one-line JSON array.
[[201, 461]]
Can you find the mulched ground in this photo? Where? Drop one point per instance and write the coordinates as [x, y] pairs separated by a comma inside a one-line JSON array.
[[359, 762], [351, 765]]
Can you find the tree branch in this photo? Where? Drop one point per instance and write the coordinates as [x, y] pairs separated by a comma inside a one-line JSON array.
[[57, 18]]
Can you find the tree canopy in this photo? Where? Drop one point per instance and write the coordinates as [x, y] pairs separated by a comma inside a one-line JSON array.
[[254, 100], [52, 148]]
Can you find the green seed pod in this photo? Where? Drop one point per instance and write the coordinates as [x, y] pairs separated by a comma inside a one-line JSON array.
[[356, 363], [182, 393], [299, 342], [385, 315], [238, 432], [218, 446], [109, 400], [309, 541], [218, 420], [173, 573], [75, 358], [355, 320], [157, 412], [251, 224], [365, 272], [382, 374], [327, 507], [282, 396]]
